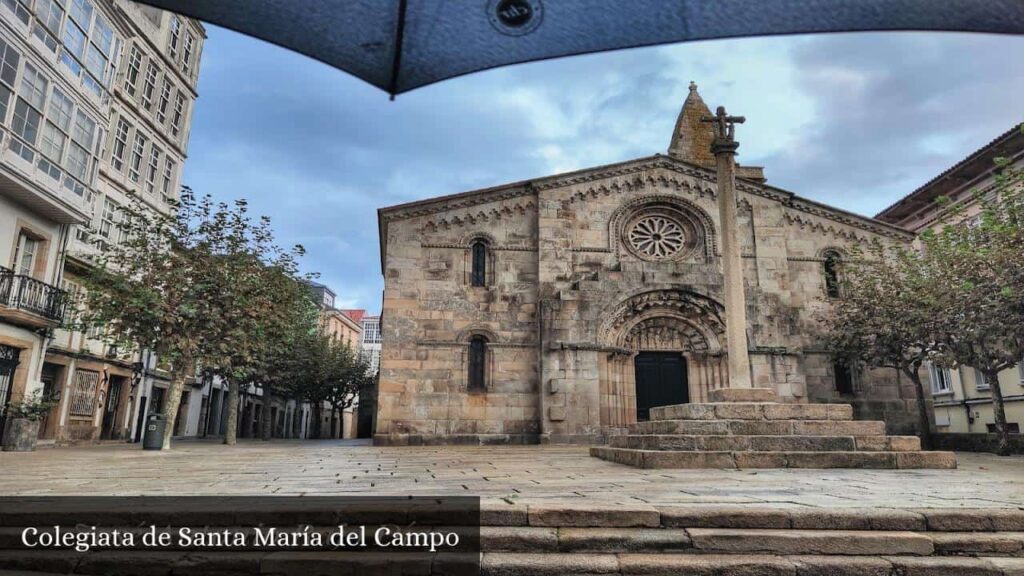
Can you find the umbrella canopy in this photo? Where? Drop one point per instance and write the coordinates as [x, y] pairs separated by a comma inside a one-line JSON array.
[[400, 45]]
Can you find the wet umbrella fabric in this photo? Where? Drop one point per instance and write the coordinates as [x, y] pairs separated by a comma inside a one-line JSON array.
[[400, 45]]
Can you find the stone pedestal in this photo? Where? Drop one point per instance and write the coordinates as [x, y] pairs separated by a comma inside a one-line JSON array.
[[746, 428]]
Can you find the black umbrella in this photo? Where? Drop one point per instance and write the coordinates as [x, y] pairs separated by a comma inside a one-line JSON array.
[[400, 45]]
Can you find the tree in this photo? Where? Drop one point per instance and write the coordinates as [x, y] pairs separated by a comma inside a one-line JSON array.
[[976, 276], [958, 301], [181, 285], [883, 319]]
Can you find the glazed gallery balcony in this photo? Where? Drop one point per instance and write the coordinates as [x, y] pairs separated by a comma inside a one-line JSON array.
[[30, 302]]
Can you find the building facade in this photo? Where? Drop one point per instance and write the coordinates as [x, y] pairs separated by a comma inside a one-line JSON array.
[[561, 309], [371, 342], [100, 106], [962, 399]]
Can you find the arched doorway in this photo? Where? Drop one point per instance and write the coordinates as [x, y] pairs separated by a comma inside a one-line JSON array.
[[660, 380], [664, 349]]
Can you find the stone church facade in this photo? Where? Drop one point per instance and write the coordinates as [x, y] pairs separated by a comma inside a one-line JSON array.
[[561, 309]]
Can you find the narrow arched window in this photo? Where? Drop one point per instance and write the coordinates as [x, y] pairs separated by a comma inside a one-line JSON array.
[[478, 275], [831, 271], [477, 363]]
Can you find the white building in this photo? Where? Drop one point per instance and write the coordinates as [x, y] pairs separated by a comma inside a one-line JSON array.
[[371, 341], [96, 98]]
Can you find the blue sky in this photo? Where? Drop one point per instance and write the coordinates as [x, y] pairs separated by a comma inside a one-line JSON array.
[[853, 120]]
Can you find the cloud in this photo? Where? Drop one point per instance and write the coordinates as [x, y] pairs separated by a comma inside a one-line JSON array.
[[855, 120], [890, 111]]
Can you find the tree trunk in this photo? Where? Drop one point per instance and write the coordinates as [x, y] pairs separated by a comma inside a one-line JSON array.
[[924, 422], [231, 433], [334, 421], [268, 420], [1002, 431], [316, 420], [173, 400]]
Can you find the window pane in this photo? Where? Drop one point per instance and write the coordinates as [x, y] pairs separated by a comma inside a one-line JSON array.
[[5, 98], [9, 59], [60, 110], [96, 62], [52, 145], [50, 15], [78, 161], [85, 127], [103, 35], [81, 11], [26, 121], [74, 39], [33, 87]]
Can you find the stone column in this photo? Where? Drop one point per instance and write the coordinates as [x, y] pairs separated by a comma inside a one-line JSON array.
[[724, 148]]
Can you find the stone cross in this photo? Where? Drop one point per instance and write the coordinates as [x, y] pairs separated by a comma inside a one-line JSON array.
[[725, 130], [724, 148]]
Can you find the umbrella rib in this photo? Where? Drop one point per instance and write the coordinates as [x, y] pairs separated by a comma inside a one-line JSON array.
[[396, 62]]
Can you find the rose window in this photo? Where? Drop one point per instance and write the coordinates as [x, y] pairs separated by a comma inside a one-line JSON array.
[[657, 237]]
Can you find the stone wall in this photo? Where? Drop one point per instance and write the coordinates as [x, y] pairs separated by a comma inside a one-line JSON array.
[[431, 312], [571, 297]]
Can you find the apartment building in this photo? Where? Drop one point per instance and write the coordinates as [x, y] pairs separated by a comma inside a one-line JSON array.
[[96, 98], [962, 397]]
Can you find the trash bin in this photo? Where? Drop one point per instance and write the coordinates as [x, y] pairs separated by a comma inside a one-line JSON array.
[[156, 426]]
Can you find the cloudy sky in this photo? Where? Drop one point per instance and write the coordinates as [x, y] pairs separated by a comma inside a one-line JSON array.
[[854, 120]]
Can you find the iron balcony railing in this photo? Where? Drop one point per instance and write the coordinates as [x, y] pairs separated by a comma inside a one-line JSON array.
[[28, 294]]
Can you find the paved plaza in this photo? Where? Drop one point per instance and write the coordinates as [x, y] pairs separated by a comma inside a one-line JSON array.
[[516, 474]]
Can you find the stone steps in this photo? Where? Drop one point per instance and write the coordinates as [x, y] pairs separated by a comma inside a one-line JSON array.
[[761, 427], [748, 540], [514, 564], [572, 539], [788, 443], [751, 459], [752, 411], [743, 428]]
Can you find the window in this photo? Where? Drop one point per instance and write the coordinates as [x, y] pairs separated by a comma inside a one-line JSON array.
[[84, 131], [25, 259], [167, 187], [83, 393], [149, 87], [25, 123], [108, 218], [172, 45], [186, 57], [478, 274], [81, 12], [77, 162], [74, 39], [179, 113], [1011, 427], [52, 144], [60, 110], [371, 332], [844, 377], [120, 143], [830, 268], [165, 98], [477, 363], [153, 169], [940, 379], [33, 86], [138, 148], [20, 9], [50, 15], [9, 59], [980, 382], [131, 78]]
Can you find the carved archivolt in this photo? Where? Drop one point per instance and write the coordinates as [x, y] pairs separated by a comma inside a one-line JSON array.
[[662, 227], [665, 320]]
